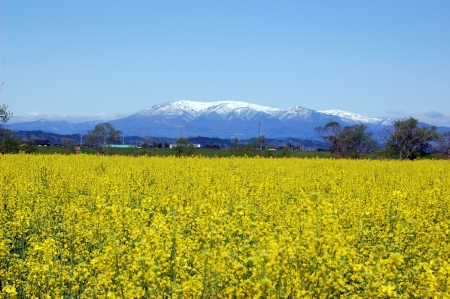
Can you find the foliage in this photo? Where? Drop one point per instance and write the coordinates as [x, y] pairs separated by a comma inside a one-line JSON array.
[[359, 141], [102, 136], [406, 140], [5, 115], [331, 134], [443, 145], [30, 147], [68, 145], [183, 147], [260, 142], [203, 152], [10, 145], [235, 143], [117, 227], [285, 152], [349, 141], [257, 143]]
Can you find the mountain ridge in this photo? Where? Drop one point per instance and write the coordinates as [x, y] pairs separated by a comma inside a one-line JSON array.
[[224, 119], [237, 108]]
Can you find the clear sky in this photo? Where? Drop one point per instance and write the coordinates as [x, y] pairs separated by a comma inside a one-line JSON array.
[[85, 58]]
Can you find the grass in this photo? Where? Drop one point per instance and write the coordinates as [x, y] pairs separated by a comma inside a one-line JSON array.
[[197, 152], [165, 152]]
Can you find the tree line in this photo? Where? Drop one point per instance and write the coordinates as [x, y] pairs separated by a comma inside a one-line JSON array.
[[403, 139]]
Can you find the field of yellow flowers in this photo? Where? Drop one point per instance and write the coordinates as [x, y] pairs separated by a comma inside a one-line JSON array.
[[138, 227]]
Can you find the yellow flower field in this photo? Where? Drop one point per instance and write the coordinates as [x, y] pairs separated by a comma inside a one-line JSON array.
[[123, 227]]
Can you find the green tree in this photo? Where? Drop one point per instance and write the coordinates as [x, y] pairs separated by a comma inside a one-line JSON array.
[[250, 145], [102, 136], [183, 147], [260, 142], [349, 141], [406, 140], [30, 147], [5, 141], [10, 145], [257, 143], [5, 116], [285, 152]]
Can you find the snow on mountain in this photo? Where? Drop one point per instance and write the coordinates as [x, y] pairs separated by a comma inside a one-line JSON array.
[[190, 110], [196, 109], [296, 111], [352, 117]]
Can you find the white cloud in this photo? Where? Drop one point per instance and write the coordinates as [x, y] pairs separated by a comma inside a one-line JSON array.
[[431, 117]]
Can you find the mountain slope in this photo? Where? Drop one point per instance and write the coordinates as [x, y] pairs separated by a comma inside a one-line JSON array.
[[228, 119], [225, 119]]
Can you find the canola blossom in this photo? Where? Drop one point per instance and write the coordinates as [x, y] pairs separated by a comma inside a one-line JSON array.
[[164, 227]]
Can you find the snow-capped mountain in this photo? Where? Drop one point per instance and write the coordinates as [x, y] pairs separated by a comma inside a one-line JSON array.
[[296, 111], [217, 119], [191, 109], [233, 119]]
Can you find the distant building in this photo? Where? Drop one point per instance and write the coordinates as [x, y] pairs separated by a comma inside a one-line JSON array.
[[195, 145], [42, 142], [123, 146], [214, 147]]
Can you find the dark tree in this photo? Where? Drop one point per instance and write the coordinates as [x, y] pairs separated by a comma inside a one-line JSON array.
[[145, 142], [406, 140], [359, 142], [349, 141], [443, 145], [331, 133], [183, 147]]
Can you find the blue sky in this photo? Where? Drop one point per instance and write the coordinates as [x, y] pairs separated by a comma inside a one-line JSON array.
[[108, 58]]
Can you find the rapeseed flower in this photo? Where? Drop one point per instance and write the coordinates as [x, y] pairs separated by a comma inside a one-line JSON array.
[[106, 227]]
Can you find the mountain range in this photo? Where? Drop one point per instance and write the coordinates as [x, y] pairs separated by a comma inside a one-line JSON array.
[[224, 119]]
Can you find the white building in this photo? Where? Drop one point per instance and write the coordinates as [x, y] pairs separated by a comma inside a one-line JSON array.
[[195, 145]]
